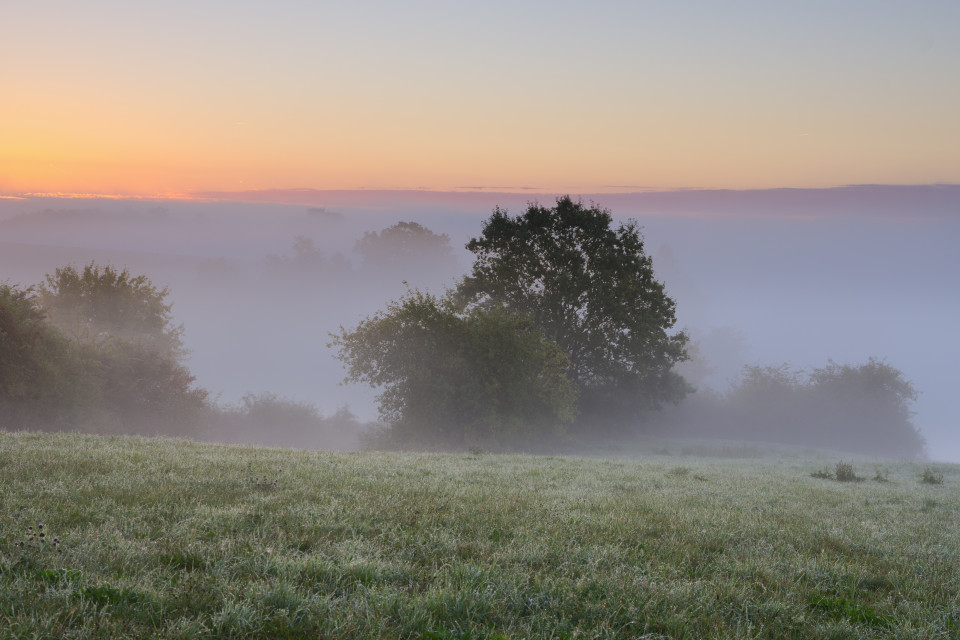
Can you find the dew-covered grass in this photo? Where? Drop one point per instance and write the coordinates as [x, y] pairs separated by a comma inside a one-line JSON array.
[[172, 539]]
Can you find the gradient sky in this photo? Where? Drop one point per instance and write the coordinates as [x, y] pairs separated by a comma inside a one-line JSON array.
[[176, 97]]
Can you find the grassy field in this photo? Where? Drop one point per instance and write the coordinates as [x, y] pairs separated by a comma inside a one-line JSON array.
[[171, 539]]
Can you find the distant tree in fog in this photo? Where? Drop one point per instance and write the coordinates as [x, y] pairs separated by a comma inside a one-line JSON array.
[[273, 420], [769, 399], [407, 246], [591, 289], [858, 408], [217, 271], [451, 378], [307, 262], [867, 407], [695, 369], [102, 303]]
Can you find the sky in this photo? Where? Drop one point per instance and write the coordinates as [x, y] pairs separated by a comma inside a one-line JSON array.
[[175, 98]]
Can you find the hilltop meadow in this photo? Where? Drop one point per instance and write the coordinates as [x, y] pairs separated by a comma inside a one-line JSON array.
[[120, 537]]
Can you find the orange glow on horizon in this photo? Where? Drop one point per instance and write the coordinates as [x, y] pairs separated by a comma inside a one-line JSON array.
[[582, 99], [151, 149], [105, 196]]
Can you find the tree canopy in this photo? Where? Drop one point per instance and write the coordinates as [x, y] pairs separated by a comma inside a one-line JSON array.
[[102, 303], [93, 349], [450, 378], [406, 244], [590, 288], [863, 408], [867, 407]]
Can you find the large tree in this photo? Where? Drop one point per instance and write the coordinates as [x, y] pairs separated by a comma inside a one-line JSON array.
[[131, 353], [102, 303], [590, 288], [456, 379]]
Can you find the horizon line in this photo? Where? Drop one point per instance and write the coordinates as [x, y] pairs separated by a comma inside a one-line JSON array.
[[268, 195]]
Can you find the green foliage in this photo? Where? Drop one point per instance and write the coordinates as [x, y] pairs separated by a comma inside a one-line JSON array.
[[591, 289], [132, 350], [823, 474], [41, 373], [143, 389], [23, 338], [22, 326], [859, 408], [101, 303], [865, 407], [929, 476], [455, 379], [844, 472], [94, 350], [271, 409]]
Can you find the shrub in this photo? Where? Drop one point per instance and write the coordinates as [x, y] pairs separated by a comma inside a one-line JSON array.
[[929, 476], [841, 472], [844, 472], [270, 419], [823, 474]]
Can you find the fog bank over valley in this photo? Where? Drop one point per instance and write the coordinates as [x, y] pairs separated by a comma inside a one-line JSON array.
[[760, 278]]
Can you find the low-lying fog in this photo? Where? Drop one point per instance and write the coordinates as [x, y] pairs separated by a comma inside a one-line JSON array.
[[763, 277]]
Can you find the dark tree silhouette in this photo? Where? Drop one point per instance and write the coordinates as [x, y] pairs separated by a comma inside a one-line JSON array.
[[591, 289]]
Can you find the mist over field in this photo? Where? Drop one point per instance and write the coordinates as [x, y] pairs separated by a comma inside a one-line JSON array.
[[760, 277]]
